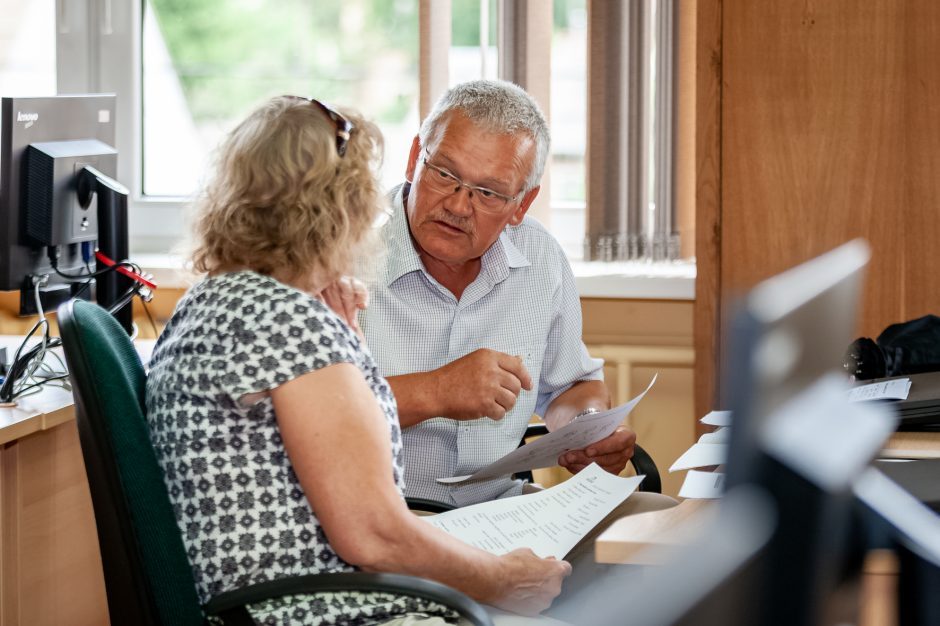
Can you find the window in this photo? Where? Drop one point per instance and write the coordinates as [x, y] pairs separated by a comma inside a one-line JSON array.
[[569, 124], [206, 64], [186, 72], [27, 48], [473, 51]]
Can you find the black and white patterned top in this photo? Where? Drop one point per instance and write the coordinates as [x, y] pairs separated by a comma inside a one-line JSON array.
[[237, 500]]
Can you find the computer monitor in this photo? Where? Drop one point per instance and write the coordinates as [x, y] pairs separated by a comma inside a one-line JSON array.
[[59, 200], [801, 444], [793, 431], [789, 331]]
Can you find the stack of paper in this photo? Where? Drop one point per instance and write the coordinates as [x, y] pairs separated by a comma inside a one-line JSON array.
[[711, 450]]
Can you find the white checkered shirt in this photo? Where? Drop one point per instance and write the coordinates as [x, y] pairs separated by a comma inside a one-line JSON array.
[[523, 302]]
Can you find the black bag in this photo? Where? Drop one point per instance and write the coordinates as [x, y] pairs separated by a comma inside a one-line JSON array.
[[906, 348]]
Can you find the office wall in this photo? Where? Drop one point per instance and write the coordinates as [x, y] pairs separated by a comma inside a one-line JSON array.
[[817, 122]]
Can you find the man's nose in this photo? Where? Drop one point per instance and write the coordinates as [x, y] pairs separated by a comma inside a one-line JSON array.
[[458, 202]]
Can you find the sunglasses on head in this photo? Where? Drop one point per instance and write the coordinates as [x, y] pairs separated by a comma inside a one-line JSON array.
[[343, 126]]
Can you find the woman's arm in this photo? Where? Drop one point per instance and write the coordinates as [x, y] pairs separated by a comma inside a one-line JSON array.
[[338, 441]]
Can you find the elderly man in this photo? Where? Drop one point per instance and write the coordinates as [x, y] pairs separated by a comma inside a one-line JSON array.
[[476, 321]]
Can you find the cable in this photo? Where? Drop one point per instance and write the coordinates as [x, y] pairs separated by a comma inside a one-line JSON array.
[[29, 369], [23, 369], [25, 364], [153, 325]]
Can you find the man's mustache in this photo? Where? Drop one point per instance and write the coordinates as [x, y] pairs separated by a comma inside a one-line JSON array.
[[463, 223]]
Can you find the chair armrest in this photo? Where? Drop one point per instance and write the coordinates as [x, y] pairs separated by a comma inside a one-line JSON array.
[[642, 462], [430, 506], [231, 605]]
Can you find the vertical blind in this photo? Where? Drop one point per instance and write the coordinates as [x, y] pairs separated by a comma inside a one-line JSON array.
[[631, 211]]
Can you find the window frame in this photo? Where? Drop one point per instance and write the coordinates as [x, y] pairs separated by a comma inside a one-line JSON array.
[[98, 45]]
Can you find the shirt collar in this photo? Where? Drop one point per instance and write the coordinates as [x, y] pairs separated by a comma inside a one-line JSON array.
[[403, 257]]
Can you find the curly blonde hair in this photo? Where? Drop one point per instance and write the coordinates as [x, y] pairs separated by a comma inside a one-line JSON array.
[[282, 200]]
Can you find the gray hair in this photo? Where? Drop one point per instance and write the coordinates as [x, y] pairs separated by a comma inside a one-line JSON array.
[[499, 107]]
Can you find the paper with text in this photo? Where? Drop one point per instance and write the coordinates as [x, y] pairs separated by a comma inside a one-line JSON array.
[[897, 389], [549, 522], [544, 451], [702, 485]]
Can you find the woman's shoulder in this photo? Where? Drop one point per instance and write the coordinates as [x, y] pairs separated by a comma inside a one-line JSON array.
[[247, 288]]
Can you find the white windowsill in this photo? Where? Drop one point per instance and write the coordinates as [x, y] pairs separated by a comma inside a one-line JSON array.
[[628, 279], [635, 279]]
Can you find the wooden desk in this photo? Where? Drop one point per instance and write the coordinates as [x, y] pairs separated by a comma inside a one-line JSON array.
[[652, 538], [50, 566], [627, 539]]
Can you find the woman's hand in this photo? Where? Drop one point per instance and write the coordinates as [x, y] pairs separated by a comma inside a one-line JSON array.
[[346, 296], [530, 582]]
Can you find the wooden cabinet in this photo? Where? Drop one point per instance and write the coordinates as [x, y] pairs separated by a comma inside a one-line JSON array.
[[816, 122], [50, 568]]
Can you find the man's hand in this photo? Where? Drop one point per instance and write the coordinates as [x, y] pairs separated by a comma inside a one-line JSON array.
[[484, 383], [346, 296], [611, 453]]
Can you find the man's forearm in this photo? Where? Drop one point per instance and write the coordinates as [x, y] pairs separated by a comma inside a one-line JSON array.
[[582, 395], [415, 396]]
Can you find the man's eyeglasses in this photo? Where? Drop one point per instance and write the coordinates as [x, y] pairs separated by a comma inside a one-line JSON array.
[[343, 126], [481, 198]]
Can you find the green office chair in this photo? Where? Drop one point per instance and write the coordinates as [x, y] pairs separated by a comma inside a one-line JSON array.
[[641, 461], [148, 578]]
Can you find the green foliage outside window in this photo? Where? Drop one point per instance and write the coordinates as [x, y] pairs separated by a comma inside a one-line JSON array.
[[231, 54]]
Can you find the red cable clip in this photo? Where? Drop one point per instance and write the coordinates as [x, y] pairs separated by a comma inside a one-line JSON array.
[[127, 272]]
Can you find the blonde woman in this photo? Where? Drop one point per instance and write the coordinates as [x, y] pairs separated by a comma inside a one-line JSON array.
[[279, 441]]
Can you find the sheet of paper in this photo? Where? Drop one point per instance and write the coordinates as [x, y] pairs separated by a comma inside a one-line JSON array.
[[544, 451], [702, 485], [701, 455], [722, 435], [717, 418], [550, 522], [886, 390]]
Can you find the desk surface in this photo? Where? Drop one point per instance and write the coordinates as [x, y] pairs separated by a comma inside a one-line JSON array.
[[650, 537], [48, 408]]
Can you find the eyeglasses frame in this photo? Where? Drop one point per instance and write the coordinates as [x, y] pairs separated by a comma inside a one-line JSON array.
[[470, 188]]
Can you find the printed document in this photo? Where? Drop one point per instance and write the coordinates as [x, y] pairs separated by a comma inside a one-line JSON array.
[[544, 451], [896, 389], [549, 522]]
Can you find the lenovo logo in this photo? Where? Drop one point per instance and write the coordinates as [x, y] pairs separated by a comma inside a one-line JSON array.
[[29, 118]]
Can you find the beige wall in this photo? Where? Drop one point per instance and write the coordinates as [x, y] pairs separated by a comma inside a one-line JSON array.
[[639, 338]]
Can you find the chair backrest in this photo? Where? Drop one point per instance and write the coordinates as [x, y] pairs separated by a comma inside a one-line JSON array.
[[148, 577]]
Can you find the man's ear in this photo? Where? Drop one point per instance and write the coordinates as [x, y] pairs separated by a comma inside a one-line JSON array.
[[413, 159], [524, 205]]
